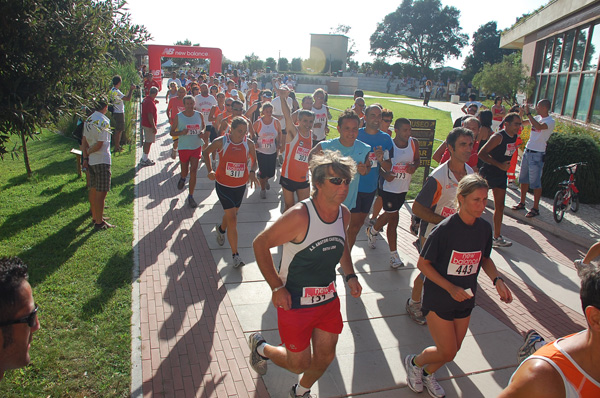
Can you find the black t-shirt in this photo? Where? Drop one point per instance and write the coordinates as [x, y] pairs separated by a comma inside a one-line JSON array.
[[456, 251], [503, 152]]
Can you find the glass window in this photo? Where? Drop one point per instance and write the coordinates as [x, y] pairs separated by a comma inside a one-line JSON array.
[[585, 96], [582, 37], [568, 49], [550, 91], [542, 88], [556, 57], [591, 61], [539, 50], [596, 110], [548, 55], [571, 95], [560, 93]]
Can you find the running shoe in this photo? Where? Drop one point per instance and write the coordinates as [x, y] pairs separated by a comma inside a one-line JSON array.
[[371, 239], [263, 194], [237, 261], [220, 235], [433, 387], [268, 186], [513, 185], [181, 183], [257, 361], [173, 153], [414, 225], [501, 242], [415, 313], [414, 374], [305, 395], [147, 162], [531, 339], [395, 261], [192, 202]]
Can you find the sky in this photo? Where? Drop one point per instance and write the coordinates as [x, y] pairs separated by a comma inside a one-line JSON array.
[[273, 29]]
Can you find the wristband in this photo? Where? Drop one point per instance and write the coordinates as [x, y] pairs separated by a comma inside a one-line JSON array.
[[252, 171], [278, 288], [496, 279], [350, 276]]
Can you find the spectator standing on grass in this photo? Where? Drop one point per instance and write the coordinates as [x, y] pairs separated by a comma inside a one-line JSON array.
[[149, 124], [116, 98], [18, 315], [97, 159]]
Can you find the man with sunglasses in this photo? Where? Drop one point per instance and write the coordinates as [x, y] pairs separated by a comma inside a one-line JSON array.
[[18, 315], [313, 235]]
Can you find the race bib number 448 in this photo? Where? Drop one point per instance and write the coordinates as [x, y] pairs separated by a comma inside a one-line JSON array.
[[463, 263]]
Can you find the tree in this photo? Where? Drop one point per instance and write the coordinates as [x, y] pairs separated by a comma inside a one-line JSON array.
[[420, 31], [56, 55], [506, 78], [343, 30], [270, 63], [181, 61], [254, 63], [283, 65], [296, 65], [486, 49]]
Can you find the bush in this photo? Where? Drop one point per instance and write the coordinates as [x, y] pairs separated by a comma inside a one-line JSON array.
[[564, 149]]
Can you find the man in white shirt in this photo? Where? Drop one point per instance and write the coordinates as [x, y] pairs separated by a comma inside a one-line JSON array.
[[278, 114], [532, 163], [116, 99], [174, 79], [204, 103]]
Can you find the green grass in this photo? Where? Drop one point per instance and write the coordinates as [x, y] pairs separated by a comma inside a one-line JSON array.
[[443, 126], [81, 279], [378, 94]]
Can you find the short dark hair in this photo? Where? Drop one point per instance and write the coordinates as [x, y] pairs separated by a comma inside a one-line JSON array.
[[590, 288], [305, 113], [457, 132], [116, 80], [472, 97], [387, 112], [359, 93], [101, 104], [509, 118], [486, 117], [13, 272], [237, 102], [545, 102], [401, 121], [348, 114]]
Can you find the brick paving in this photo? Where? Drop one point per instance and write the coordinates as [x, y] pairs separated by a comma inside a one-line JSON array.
[[192, 343]]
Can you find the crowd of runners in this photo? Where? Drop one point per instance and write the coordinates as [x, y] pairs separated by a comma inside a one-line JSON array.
[[333, 188]]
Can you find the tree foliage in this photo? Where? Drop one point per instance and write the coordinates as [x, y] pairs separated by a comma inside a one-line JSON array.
[[296, 65], [253, 62], [270, 63], [485, 50], [506, 78], [283, 65], [344, 30], [55, 58], [420, 31]]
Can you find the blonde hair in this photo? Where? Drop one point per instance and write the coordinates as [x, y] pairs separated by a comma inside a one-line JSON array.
[[469, 184]]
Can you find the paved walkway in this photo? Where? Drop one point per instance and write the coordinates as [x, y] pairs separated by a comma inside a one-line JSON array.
[[195, 310]]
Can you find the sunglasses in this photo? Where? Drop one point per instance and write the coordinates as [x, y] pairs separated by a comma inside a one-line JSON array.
[[29, 319], [339, 180]]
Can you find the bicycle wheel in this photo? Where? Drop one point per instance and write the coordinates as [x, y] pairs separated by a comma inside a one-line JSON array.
[[574, 203], [558, 209]]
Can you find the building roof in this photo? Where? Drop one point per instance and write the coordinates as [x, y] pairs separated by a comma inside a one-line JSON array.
[[555, 10]]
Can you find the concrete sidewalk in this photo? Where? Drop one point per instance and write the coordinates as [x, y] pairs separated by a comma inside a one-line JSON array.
[[196, 310]]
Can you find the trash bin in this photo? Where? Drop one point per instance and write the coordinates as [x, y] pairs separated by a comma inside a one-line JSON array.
[[333, 87], [454, 99]]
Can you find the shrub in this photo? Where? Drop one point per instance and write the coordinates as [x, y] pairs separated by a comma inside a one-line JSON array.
[[564, 149]]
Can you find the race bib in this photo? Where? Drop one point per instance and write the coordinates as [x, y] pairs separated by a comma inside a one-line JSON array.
[[373, 159], [447, 211], [316, 295], [193, 129], [235, 170], [510, 149], [267, 142], [399, 170], [463, 263], [301, 154]]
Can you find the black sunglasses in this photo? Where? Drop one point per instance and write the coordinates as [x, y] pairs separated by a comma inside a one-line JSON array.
[[29, 319], [339, 180]]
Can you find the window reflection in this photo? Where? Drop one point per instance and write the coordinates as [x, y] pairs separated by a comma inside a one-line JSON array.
[[591, 61], [585, 96], [580, 49], [560, 93], [547, 55], [556, 57], [571, 95], [566, 59]]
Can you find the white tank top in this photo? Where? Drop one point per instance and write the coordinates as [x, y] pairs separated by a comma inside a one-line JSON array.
[[267, 136], [400, 160]]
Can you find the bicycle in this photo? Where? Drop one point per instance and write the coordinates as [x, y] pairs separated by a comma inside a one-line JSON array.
[[568, 194]]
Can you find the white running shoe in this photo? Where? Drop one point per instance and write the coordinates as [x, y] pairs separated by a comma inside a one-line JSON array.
[[257, 362], [433, 387], [237, 261], [415, 313], [528, 348], [395, 261], [305, 395], [220, 235], [371, 239], [501, 242], [414, 374], [173, 153]]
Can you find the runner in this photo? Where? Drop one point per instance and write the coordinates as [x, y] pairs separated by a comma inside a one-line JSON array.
[[175, 106], [171, 93], [320, 128], [236, 168], [453, 254], [387, 117], [307, 104], [204, 104], [382, 149], [496, 155], [405, 161], [267, 135], [192, 136], [436, 202], [298, 143], [308, 310]]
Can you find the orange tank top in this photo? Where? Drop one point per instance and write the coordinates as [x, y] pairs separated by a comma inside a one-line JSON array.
[[252, 96], [295, 161], [232, 170], [578, 384]]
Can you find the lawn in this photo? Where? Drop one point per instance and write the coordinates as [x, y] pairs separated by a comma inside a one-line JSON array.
[[81, 279]]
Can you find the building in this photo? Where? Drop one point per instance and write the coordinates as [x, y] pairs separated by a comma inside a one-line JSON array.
[[561, 47], [328, 53]]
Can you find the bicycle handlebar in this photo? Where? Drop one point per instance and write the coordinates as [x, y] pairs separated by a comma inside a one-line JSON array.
[[568, 166]]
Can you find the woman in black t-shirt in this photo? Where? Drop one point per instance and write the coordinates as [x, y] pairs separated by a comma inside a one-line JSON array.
[[451, 259]]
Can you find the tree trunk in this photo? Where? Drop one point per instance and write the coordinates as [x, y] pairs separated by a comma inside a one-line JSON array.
[[25, 156]]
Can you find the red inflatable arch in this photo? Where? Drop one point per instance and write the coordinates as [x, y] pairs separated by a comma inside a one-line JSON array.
[[156, 52]]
